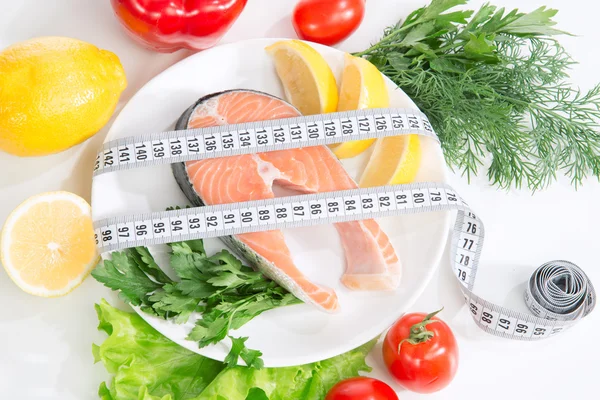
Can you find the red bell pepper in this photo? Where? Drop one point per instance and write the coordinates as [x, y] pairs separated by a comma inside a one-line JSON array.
[[169, 25]]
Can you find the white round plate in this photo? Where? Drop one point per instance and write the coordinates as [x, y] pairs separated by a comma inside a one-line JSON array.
[[296, 334]]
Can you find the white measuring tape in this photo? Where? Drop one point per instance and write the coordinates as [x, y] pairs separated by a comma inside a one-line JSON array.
[[558, 294], [252, 137]]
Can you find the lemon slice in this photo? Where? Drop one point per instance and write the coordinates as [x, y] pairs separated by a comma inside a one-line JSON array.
[[307, 79], [362, 87], [48, 245], [395, 160]]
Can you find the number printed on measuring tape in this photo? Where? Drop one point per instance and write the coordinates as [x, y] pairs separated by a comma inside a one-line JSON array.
[[248, 217], [161, 227], [385, 201], [197, 224], [298, 133], [352, 205], [212, 143], [159, 149], [346, 127], [283, 213], [403, 199], [231, 219], [177, 147], [383, 122], [264, 137], [179, 225], [315, 130], [126, 154], [318, 208], [126, 232], [266, 215], [193, 145], [335, 206], [369, 203], [229, 141], [552, 310], [213, 221], [366, 124]]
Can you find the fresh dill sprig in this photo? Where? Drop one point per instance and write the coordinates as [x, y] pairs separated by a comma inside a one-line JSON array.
[[494, 86]]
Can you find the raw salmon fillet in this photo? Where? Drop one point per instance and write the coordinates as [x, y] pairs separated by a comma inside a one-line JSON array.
[[371, 262]]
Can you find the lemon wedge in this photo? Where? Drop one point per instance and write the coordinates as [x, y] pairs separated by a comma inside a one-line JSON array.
[[395, 160], [306, 77], [362, 87], [48, 245]]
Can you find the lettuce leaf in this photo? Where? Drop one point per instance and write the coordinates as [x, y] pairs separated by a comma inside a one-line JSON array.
[[310, 381], [147, 366]]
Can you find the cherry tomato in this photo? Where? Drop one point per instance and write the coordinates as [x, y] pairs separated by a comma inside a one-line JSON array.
[[327, 21], [361, 388], [421, 353]]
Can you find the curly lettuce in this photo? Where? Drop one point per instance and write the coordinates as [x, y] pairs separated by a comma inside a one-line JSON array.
[[145, 365]]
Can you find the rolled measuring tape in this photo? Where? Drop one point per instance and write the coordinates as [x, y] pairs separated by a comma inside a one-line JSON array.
[[558, 293]]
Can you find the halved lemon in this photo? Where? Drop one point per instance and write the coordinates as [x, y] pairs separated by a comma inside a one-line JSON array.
[[48, 245], [306, 77], [395, 160], [362, 87]]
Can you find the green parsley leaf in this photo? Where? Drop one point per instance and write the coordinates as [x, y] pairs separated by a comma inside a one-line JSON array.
[[226, 279], [419, 33], [188, 247], [239, 349], [123, 273], [538, 22], [146, 263], [399, 61], [210, 329], [437, 7], [170, 302], [195, 288], [480, 48]]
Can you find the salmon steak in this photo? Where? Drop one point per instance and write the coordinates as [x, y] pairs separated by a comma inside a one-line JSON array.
[[371, 261]]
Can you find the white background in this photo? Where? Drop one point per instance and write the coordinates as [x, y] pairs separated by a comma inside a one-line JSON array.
[[45, 344]]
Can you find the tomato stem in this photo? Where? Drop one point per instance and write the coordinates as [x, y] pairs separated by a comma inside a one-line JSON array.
[[419, 332]]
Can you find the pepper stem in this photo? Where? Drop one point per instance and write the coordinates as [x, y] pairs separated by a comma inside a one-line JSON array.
[[419, 332]]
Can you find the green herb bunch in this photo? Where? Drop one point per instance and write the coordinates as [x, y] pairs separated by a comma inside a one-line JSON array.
[[494, 86], [226, 293]]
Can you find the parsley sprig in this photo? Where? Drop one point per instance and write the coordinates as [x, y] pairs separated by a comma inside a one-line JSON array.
[[493, 83], [226, 293]]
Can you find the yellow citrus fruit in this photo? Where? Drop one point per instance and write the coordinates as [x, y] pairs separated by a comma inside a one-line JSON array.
[[55, 92], [48, 245], [362, 87], [306, 77], [395, 160]]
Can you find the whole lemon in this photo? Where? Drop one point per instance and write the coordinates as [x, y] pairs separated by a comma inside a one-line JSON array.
[[55, 92]]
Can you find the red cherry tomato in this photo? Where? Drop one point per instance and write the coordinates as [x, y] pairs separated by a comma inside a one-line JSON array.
[[421, 353], [327, 21], [169, 25], [361, 388]]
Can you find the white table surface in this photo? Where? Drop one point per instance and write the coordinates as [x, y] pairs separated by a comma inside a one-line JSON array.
[[45, 344]]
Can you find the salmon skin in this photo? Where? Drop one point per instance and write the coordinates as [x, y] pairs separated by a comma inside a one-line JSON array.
[[371, 262]]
